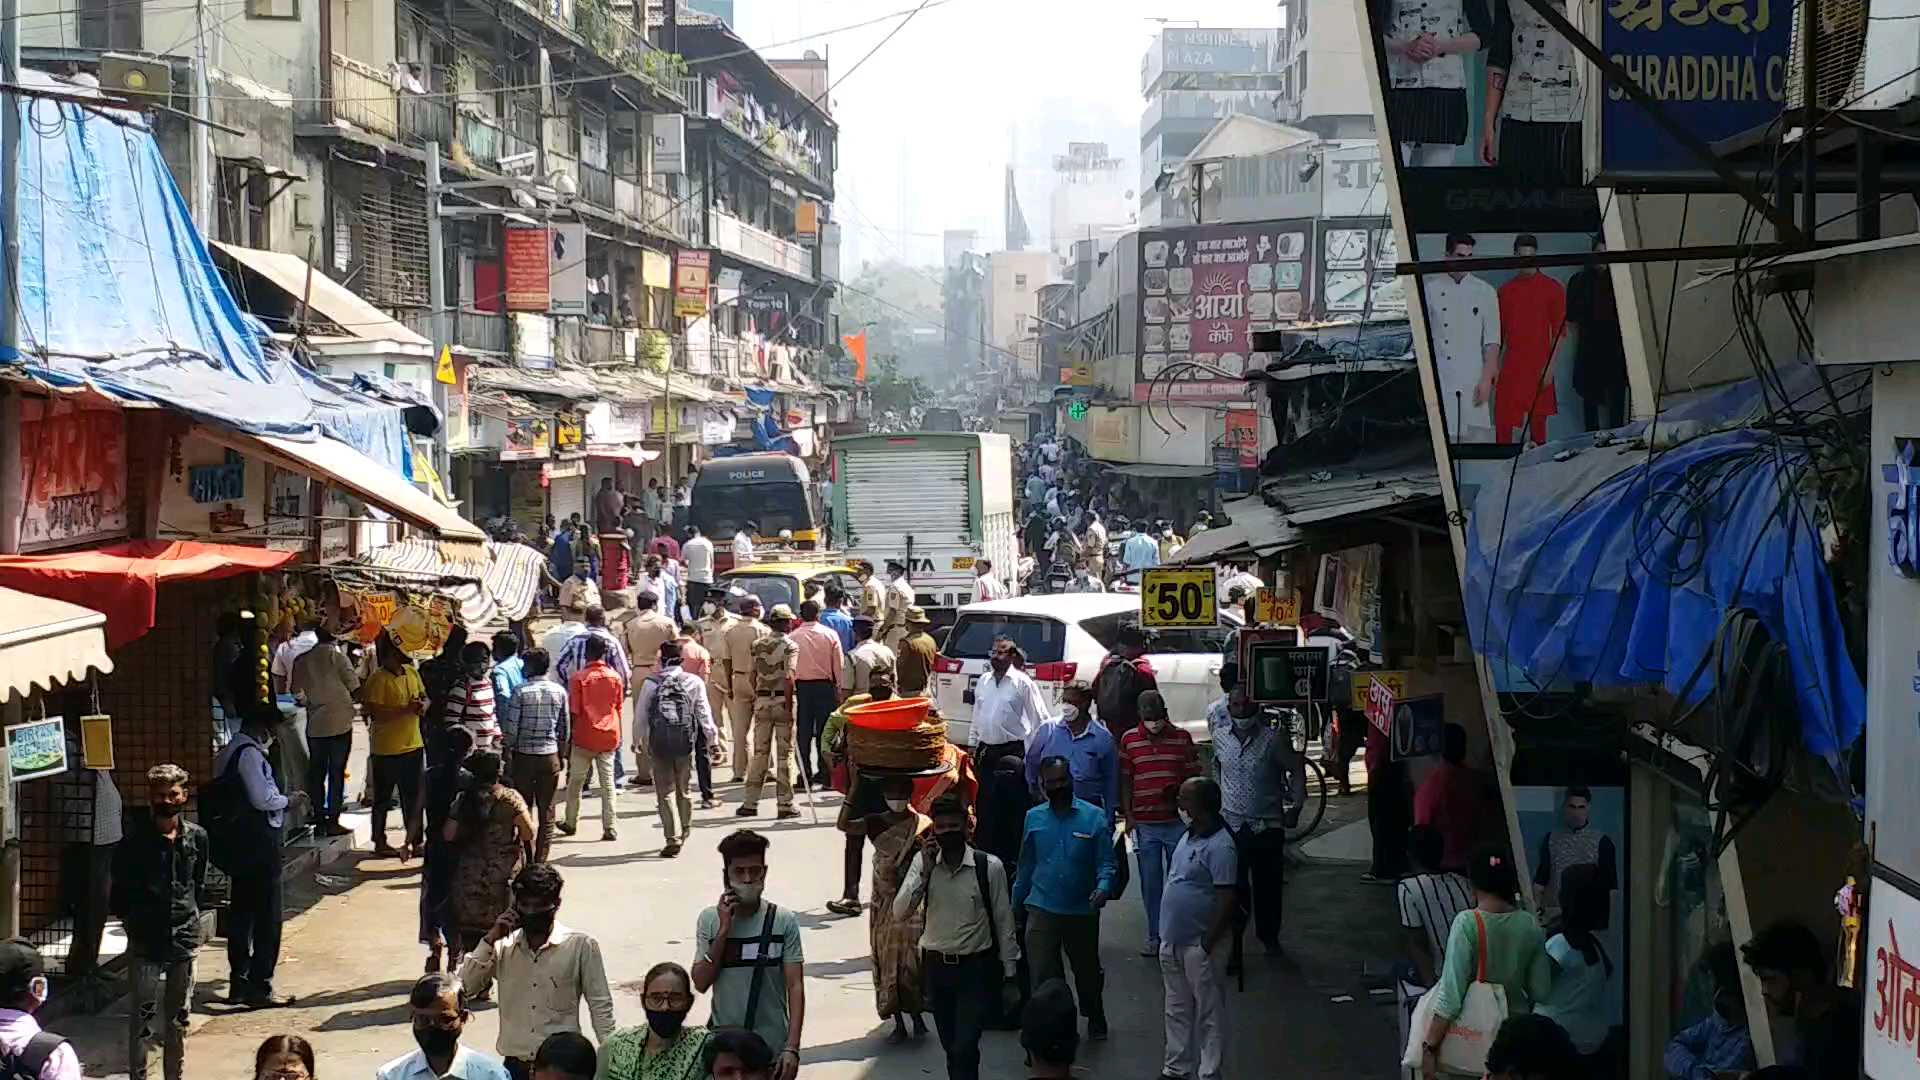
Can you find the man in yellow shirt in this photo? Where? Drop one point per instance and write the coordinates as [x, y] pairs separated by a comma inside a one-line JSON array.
[[395, 700]]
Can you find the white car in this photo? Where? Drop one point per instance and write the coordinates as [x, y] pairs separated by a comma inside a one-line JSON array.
[[1066, 636]]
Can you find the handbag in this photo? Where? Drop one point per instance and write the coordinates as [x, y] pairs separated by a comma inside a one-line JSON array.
[[1482, 1011]]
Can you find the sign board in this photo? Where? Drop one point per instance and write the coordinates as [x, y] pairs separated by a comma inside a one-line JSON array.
[[96, 741], [37, 748], [1113, 432], [1172, 597], [669, 143], [567, 269], [1394, 681], [1275, 607], [1720, 69], [336, 526], [1890, 1047], [1242, 433], [73, 474], [527, 269], [691, 271], [806, 218], [289, 527], [1283, 674], [1205, 290], [1902, 476], [443, 367], [1417, 726]]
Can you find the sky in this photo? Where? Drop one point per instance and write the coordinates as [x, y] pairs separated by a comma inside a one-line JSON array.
[[929, 121]]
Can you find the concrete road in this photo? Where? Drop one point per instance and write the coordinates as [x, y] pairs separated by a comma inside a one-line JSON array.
[[351, 953]]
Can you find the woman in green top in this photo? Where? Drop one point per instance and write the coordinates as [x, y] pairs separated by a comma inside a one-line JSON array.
[[1516, 952], [663, 1048]]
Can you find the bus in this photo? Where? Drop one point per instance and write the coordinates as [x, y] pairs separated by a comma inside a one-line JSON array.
[[771, 490]]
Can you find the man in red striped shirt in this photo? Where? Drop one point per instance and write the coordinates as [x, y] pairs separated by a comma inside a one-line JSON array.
[[1156, 756]]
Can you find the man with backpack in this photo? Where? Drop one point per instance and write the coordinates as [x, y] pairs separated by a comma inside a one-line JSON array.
[[27, 1052], [671, 716], [245, 811], [1124, 675]]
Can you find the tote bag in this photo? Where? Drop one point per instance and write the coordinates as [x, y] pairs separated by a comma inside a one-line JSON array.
[[1484, 1009]]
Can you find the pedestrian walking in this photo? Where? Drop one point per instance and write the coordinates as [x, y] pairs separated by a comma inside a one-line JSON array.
[[545, 971], [710, 629], [1124, 675], [697, 660], [671, 720], [915, 654], [774, 659], [834, 615], [245, 814], [509, 670], [738, 642], [324, 678], [748, 952], [573, 655], [894, 627], [1066, 875], [866, 659], [873, 595], [1087, 746], [1496, 942], [440, 673], [491, 830], [159, 889], [1196, 917], [733, 1054], [282, 1057], [447, 777], [1253, 762], [565, 1055], [534, 726], [1007, 708], [665, 1047], [698, 552], [1049, 1032], [1155, 758], [396, 701], [440, 1014], [26, 1050], [594, 697], [968, 946], [1429, 899], [897, 833], [818, 667]]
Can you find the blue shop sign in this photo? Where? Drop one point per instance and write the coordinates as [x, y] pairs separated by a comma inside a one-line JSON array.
[[1903, 507], [1719, 67]]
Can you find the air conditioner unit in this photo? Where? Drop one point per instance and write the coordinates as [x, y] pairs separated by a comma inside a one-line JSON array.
[[135, 77], [1839, 74]]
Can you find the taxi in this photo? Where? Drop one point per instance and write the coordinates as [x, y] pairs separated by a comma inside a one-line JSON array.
[[782, 577]]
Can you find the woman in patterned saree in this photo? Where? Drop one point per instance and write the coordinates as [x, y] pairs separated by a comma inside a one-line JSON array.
[[663, 1048], [896, 833]]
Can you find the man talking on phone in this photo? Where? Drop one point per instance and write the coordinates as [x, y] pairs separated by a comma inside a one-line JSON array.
[[748, 953]]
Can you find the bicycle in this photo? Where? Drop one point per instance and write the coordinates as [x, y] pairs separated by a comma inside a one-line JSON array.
[[1313, 800]]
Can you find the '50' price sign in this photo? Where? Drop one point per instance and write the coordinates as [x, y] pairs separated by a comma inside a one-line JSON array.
[[1173, 597]]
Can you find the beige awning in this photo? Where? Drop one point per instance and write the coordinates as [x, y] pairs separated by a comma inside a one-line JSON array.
[[47, 642], [337, 463], [328, 298]]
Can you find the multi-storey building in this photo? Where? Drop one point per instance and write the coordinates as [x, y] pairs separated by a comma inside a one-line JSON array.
[[1191, 78], [1092, 199]]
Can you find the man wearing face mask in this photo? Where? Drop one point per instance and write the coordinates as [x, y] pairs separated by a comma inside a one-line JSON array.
[[247, 813], [23, 989], [711, 631], [1066, 875], [1195, 918], [968, 948], [748, 952], [1252, 763], [159, 888], [440, 1014], [545, 970], [1154, 759], [1085, 742]]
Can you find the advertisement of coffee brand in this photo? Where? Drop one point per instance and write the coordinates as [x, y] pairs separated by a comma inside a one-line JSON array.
[[1205, 290]]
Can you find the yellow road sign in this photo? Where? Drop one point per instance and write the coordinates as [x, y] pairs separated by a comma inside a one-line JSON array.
[[1271, 606], [1172, 597], [443, 370]]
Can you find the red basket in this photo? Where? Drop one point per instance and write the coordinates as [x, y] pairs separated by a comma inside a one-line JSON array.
[[894, 714]]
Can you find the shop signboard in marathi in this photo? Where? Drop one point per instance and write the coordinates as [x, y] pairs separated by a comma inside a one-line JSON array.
[[1890, 1048], [336, 526], [691, 278], [567, 269], [288, 524], [1381, 694], [1206, 289], [1902, 478], [73, 472], [1719, 67], [527, 268]]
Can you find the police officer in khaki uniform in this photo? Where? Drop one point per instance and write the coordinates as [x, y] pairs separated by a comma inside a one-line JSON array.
[[873, 597], [738, 649], [710, 630], [899, 597], [774, 660], [643, 634]]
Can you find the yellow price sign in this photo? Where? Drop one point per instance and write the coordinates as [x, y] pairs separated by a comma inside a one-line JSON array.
[[1174, 597], [963, 562], [1271, 606], [1395, 681]]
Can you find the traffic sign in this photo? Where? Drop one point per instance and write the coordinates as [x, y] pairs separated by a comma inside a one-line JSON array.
[[1175, 597], [443, 368], [1272, 606]]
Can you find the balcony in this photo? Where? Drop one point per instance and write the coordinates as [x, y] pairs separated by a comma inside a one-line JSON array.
[[479, 331], [692, 89], [718, 355], [596, 186], [487, 144], [363, 97], [654, 210], [426, 119], [604, 345], [737, 238]]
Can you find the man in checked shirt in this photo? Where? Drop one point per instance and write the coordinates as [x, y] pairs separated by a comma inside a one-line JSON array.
[[534, 727]]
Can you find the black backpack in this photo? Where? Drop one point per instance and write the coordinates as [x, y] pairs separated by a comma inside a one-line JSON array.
[[31, 1058], [1116, 694], [670, 719], [242, 842]]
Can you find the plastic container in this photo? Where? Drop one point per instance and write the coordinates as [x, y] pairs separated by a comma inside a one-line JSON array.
[[894, 714]]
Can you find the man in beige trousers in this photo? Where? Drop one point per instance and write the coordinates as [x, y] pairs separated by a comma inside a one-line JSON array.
[[739, 658]]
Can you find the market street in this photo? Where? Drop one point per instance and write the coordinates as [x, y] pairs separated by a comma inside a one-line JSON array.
[[350, 957]]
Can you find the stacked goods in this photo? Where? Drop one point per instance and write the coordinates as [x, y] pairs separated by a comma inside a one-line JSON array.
[[896, 734]]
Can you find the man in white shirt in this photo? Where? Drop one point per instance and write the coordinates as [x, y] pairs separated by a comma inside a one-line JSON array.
[[1243, 579], [1463, 315], [893, 617], [743, 543], [1096, 536], [985, 585], [1007, 706], [23, 989], [545, 970], [698, 551], [283, 657]]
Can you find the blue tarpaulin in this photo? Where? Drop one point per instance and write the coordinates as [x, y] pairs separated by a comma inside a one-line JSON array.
[[1616, 568], [117, 292]]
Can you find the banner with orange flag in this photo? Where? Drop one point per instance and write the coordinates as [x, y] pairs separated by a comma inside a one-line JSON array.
[[857, 348]]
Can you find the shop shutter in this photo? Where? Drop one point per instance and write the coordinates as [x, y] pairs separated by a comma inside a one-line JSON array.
[[567, 495], [896, 492]]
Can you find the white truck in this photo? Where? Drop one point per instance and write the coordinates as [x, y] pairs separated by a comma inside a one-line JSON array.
[[942, 499]]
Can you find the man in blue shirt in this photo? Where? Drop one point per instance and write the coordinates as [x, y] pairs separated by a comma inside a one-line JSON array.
[[1066, 875], [835, 618], [1086, 744], [1721, 1043], [509, 670], [1141, 551]]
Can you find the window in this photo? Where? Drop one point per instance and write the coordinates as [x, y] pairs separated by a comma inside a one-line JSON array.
[[109, 24], [1044, 640], [244, 196], [273, 9], [1019, 281]]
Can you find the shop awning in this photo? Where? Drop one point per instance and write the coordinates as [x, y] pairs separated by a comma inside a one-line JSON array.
[[45, 642], [1256, 529], [338, 463], [328, 298], [121, 581], [509, 581]]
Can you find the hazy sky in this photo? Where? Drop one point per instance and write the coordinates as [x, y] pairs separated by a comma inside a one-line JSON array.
[[929, 122]]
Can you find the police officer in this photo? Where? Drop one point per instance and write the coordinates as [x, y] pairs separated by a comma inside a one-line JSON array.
[[773, 715]]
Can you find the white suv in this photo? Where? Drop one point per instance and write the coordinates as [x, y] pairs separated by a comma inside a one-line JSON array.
[[1065, 637]]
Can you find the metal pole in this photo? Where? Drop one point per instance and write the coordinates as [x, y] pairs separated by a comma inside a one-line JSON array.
[[437, 303], [10, 490], [202, 136]]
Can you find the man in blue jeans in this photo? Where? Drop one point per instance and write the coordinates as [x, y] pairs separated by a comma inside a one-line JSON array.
[[1066, 876], [1155, 758], [325, 679]]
